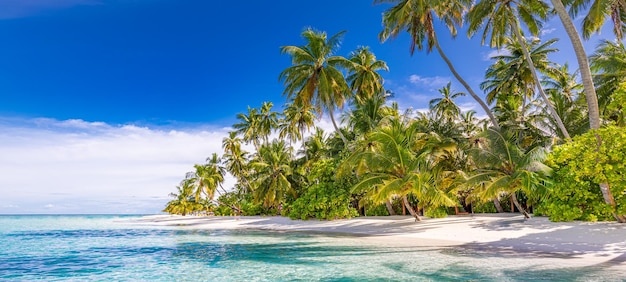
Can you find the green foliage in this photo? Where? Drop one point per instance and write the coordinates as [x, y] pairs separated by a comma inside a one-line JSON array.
[[438, 212], [579, 169], [372, 209], [329, 198], [487, 207]]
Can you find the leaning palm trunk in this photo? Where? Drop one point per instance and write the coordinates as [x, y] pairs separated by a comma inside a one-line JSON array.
[[590, 91], [518, 206], [533, 71], [496, 203], [343, 138], [408, 206], [464, 83], [390, 208], [583, 64]]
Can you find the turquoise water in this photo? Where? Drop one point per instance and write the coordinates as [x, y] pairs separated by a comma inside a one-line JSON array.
[[104, 248]]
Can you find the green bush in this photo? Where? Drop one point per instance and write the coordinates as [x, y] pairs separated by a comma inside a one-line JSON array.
[[327, 199], [579, 169], [438, 212]]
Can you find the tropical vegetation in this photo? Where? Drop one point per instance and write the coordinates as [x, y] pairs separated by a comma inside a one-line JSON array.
[[552, 143]]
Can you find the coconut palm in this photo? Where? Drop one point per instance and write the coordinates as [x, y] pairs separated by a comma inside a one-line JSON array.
[[248, 127], [366, 115], [394, 168], [499, 19], [297, 119], [510, 73], [272, 169], [236, 160], [445, 107], [504, 167], [314, 78], [591, 97], [417, 17], [609, 65], [184, 201], [267, 121], [565, 92], [208, 177], [598, 12], [315, 146], [363, 77]]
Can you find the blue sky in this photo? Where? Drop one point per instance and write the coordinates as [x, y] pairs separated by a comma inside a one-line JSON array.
[[105, 104]]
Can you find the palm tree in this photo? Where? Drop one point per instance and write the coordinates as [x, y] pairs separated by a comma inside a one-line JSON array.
[[609, 65], [503, 167], [248, 127], [314, 78], [236, 159], [417, 18], [583, 64], [499, 18], [184, 202], [208, 177], [296, 121], [510, 73], [392, 167], [267, 121], [363, 77], [365, 116], [565, 91], [315, 146], [445, 107], [272, 168], [597, 14]]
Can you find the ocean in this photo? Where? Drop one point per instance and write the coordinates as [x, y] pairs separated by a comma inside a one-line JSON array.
[[115, 248]]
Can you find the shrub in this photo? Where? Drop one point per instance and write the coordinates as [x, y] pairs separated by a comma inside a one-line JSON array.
[[579, 169], [329, 198]]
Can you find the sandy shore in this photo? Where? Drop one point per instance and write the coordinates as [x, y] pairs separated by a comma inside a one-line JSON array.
[[581, 243]]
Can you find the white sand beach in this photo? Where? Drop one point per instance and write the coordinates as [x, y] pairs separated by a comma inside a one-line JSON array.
[[508, 235]]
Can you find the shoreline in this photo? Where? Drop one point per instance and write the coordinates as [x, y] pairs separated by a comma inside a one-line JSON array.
[[503, 235]]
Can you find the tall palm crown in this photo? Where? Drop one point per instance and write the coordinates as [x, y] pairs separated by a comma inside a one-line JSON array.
[[511, 75], [609, 66], [501, 18], [597, 14], [417, 17], [363, 77], [445, 107], [248, 127], [314, 78]]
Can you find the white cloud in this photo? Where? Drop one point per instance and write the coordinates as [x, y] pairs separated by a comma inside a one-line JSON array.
[[10, 9], [494, 53], [429, 82], [547, 31], [77, 166]]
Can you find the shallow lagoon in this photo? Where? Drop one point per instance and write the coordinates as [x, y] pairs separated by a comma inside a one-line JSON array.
[[113, 248]]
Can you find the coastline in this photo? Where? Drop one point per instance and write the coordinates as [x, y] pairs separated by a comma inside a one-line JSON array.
[[507, 235]]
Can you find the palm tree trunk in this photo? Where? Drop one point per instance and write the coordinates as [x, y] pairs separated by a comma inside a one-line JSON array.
[[519, 207], [464, 83], [590, 90], [343, 138], [306, 155], [583, 64], [496, 203], [390, 208], [533, 71], [405, 201]]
